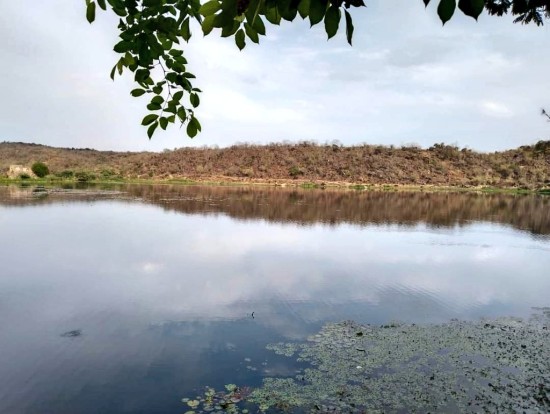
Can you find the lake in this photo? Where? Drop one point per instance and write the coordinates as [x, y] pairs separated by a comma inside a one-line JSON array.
[[128, 299]]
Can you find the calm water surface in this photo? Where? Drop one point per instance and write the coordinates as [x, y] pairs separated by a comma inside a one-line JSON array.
[[170, 289]]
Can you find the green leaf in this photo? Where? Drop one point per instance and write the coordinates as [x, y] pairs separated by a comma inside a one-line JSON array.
[[259, 26], [149, 119], [142, 75], [123, 46], [120, 66], [426, 2], [175, 52], [194, 99], [332, 21], [120, 11], [349, 26], [224, 20], [251, 33], [155, 45], [288, 9], [128, 59], [317, 10], [446, 9], [90, 12], [197, 124], [252, 9], [102, 4], [239, 39], [472, 8], [159, 100], [171, 77], [230, 7], [192, 129], [185, 31], [154, 107], [303, 8], [182, 114], [163, 123], [181, 60], [208, 24], [151, 3], [272, 15], [230, 30], [113, 73], [137, 92], [151, 129], [171, 108], [177, 96], [210, 8]]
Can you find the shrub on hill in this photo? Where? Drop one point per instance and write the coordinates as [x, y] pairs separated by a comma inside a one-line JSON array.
[[40, 169], [65, 174]]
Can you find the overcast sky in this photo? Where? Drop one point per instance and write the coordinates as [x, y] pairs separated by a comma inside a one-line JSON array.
[[406, 80]]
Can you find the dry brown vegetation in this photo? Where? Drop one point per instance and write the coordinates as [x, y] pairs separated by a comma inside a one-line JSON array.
[[444, 165]]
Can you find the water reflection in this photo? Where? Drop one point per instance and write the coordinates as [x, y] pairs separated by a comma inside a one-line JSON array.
[[208, 266], [161, 281], [305, 207]]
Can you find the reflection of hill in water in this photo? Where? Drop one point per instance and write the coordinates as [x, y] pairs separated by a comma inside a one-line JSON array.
[[308, 207]]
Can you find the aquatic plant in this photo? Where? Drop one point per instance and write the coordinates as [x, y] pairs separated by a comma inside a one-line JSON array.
[[500, 365], [219, 401]]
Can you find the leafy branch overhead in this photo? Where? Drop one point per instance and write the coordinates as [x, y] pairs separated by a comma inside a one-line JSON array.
[[152, 33]]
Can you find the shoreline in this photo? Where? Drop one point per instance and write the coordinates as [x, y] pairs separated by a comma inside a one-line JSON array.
[[283, 183]]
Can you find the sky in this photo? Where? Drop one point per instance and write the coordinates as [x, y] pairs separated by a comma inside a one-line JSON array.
[[406, 80]]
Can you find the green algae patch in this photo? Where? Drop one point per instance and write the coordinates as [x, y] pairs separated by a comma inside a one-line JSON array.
[[500, 365], [231, 400]]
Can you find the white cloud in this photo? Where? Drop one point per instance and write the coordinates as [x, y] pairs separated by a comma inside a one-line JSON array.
[[496, 109], [230, 105]]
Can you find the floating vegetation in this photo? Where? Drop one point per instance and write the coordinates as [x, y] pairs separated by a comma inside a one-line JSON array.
[[500, 365], [286, 349], [217, 402]]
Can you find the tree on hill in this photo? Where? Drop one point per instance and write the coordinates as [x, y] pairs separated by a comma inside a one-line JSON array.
[[152, 33]]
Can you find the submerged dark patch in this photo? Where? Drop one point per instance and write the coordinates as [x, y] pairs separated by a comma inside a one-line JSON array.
[[72, 334]]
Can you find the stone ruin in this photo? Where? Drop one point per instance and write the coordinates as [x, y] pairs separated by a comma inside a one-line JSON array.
[[16, 171]]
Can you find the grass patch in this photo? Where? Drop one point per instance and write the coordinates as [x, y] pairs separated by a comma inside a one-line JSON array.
[[309, 185]]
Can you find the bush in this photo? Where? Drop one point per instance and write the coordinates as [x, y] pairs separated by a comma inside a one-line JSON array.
[[107, 174], [40, 169], [542, 147], [24, 176], [65, 174], [83, 177], [295, 171]]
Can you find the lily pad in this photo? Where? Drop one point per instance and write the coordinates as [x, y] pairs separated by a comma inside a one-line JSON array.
[[498, 365]]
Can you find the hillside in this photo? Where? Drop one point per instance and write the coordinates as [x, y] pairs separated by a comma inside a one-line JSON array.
[[526, 167]]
